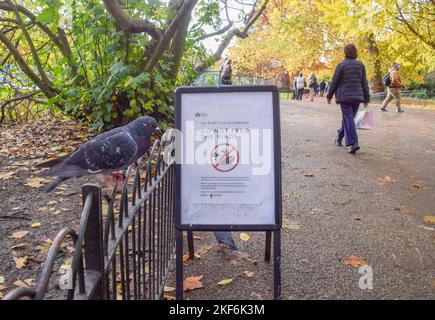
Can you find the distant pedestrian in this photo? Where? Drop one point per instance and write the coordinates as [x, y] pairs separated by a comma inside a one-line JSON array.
[[295, 87], [313, 85], [226, 72], [322, 87], [394, 84], [350, 86], [300, 83]]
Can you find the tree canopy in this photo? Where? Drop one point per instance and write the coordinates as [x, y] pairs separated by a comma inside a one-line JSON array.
[[108, 61], [309, 36]]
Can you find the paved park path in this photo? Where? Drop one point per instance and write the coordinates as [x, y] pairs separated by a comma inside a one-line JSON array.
[[346, 206]]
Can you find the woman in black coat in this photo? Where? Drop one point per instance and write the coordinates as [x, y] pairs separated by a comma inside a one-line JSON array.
[[350, 86]]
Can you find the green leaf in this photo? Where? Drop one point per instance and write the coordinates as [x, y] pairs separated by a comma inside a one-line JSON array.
[[48, 15]]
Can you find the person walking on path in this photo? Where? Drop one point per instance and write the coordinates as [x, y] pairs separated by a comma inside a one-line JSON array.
[[300, 83], [393, 88], [322, 87], [313, 85], [350, 86], [226, 72], [295, 87]]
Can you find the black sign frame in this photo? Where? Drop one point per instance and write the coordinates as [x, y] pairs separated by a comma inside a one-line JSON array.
[[269, 228], [276, 155]]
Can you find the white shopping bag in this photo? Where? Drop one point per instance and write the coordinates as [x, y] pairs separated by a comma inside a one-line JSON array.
[[364, 120]]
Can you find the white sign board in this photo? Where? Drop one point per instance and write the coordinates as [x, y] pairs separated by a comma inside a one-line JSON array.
[[227, 167]]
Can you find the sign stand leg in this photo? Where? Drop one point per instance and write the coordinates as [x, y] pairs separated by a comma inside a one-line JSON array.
[[268, 245], [277, 264], [179, 273], [190, 245]]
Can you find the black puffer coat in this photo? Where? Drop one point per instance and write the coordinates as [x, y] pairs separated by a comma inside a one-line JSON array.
[[349, 83]]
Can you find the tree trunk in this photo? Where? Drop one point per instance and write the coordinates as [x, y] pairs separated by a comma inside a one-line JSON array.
[[373, 50]]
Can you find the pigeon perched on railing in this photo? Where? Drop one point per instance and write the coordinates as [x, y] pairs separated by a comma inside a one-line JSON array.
[[225, 238], [107, 153]]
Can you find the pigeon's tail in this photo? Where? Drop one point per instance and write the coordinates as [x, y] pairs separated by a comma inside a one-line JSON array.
[[226, 238], [55, 183], [51, 163]]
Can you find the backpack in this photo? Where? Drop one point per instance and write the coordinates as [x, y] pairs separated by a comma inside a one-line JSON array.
[[387, 79], [313, 82]]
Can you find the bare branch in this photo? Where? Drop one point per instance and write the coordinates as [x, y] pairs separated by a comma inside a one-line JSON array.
[[33, 50], [163, 43], [241, 33], [129, 24], [25, 67], [217, 33]]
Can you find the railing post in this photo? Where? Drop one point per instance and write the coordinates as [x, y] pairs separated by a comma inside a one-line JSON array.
[[93, 241]]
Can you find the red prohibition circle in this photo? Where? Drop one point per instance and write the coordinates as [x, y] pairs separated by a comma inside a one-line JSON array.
[[215, 165]]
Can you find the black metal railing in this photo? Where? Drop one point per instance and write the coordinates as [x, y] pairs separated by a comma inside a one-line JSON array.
[[125, 252], [213, 78], [424, 98]]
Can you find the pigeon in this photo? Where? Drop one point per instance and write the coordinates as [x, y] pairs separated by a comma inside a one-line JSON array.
[[225, 238], [106, 153]]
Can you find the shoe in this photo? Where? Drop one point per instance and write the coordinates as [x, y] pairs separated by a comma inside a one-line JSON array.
[[400, 110], [354, 148], [338, 143], [384, 110]]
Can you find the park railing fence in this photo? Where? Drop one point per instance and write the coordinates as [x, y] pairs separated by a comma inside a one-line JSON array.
[[126, 251], [213, 78], [422, 97]]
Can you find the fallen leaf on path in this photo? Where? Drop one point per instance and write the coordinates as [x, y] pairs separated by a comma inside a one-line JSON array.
[[309, 174], [225, 282], [314, 144], [192, 283], [203, 249], [19, 246], [244, 236], [35, 225], [418, 184], [2, 279], [35, 182], [288, 225], [168, 297], [386, 180], [19, 234], [401, 208], [429, 219], [168, 289], [24, 283], [248, 274], [6, 175], [355, 261], [20, 262]]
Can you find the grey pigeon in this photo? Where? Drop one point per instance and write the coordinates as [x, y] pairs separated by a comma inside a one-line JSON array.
[[225, 238], [111, 151]]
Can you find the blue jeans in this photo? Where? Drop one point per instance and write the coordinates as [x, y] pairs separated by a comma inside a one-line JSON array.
[[348, 130]]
